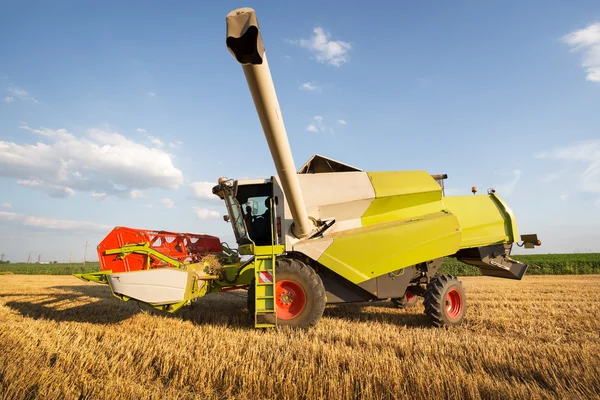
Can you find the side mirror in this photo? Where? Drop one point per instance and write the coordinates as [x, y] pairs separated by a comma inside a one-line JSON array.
[[226, 218]]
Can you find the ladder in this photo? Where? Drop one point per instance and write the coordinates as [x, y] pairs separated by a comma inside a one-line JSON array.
[[265, 313], [264, 300]]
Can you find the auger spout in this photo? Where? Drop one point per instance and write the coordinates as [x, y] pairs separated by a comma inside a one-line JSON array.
[[244, 41]]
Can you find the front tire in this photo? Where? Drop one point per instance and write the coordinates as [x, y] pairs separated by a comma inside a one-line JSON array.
[[299, 295], [445, 301]]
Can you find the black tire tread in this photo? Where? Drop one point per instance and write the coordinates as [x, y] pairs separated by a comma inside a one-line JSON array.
[[434, 298]]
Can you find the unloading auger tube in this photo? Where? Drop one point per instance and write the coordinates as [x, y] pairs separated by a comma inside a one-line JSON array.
[[244, 41]]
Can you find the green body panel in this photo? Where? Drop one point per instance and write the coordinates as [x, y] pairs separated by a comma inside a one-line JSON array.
[[243, 279], [98, 277], [143, 248], [484, 220], [510, 221], [363, 253]]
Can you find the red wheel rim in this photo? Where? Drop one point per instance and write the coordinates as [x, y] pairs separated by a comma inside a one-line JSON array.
[[409, 295], [290, 299], [453, 303]]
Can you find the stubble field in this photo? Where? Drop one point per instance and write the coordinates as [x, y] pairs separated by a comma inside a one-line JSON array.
[[537, 338]]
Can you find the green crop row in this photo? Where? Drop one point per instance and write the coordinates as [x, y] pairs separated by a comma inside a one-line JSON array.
[[539, 264], [49, 269], [549, 264]]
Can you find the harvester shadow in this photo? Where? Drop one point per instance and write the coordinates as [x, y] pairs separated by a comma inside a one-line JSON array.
[[95, 304], [91, 304], [381, 311]]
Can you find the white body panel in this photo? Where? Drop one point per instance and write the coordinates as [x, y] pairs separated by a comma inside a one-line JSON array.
[[345, 196], [156, 286], [313, 248]]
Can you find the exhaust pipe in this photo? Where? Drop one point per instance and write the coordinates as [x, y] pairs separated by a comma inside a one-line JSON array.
[[244, 41]]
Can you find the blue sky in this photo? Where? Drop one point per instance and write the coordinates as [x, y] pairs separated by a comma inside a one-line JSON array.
[[119, 113]]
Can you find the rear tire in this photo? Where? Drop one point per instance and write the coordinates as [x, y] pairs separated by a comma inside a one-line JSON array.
[[445, 301], [299, 296], [409, 300]]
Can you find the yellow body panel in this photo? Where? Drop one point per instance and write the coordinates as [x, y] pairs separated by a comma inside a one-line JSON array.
[[409, 222], [404, 183], [484, 220], [402, 194], [364, 253]]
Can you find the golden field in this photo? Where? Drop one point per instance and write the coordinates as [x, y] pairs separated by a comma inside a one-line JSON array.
[[61, 338]]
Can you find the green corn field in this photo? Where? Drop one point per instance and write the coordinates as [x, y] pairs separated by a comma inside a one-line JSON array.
[[549, 264]]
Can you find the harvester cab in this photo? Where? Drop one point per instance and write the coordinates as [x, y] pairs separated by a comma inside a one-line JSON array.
[[249, 210], [328, 232]]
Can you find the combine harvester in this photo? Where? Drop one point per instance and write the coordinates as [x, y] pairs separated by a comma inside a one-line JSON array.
[[326, 233]]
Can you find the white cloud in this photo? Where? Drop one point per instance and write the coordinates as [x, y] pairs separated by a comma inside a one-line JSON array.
[[9, 99], [141, 130], [168, 203], [203, 191], [325, 50], [151, 94], [342, 122], [60, 163], [205, 213], [176, 143], [310, 86], [319, 125], [586, 153], [51, 189], [587, 40], [505, 189], [99, 196], [5, 205], [53, 224], [564, 197], [20, 94], [136, 194], [156, 141]]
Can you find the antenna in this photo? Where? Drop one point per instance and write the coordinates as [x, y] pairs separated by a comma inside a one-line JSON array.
[[29, 258], [2, 257]]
